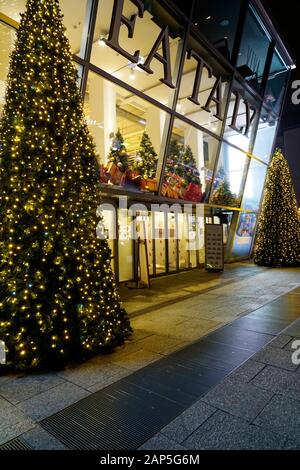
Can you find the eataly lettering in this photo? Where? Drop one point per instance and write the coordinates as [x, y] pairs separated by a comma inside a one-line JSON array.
[[161, 52]]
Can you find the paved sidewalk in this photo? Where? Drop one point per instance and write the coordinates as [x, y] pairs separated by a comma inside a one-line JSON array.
[[209, 302], [255, 407]]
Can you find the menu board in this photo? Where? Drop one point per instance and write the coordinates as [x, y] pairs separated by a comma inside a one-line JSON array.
[[214, 250]]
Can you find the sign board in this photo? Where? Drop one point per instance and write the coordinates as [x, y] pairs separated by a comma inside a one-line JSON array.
[[214, 249]]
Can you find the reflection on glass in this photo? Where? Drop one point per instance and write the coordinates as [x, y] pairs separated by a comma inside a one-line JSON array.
[[7, 40], [190, 162], [183, 241], [218, 22], [276, 84], [229, 178], [254, 185], [244, 235], [265, 135], [241, 118], [146, 32], [254, 50], [211, 93], [172, 241], [128, 135], [126, 263], [145, 218], [160, 229]]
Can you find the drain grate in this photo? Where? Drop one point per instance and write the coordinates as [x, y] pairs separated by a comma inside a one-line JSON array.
[[122, 416], [15, 444]]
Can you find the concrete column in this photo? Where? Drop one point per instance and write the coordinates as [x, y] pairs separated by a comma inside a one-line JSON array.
[[103, 115]]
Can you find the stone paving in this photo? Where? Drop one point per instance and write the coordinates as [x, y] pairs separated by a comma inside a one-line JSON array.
[[256, 407], [164, 324]]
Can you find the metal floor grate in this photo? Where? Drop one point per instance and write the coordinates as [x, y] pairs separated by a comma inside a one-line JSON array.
[[127, 413], [15, 444]]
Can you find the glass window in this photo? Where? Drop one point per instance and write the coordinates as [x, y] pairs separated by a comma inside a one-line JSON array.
[[146, 231], [241, 118], [172, 241], [265, 136], [190, 162], [218, 20], [128, 134], [276, 84], [160, 235], [126, 256], [244, 235], [254, 185], [7, 40], [254, 49], [202, 94], [76, 19], [118, 60], [230, 176]]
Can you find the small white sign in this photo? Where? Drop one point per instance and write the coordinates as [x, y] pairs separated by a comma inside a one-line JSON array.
[[2, 353]]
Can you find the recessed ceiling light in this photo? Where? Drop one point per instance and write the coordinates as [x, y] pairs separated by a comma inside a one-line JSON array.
[[208, 17]]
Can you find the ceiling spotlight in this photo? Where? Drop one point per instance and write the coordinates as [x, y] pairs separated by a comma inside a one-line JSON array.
[[132, 75], [208, 17]]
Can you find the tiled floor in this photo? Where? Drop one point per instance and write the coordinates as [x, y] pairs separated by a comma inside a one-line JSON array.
[[178, 379]]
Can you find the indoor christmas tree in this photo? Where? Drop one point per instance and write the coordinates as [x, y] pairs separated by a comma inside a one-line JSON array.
[[223, 195], [118, 154], [278, 240], [58, 297], [146, 161]]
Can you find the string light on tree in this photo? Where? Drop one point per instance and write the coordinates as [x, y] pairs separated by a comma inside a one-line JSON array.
[[278, 240], [57, 291]]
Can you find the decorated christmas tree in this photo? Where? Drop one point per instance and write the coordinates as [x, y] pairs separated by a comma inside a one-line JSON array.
[[58, 297], [223, 196], [146, 161], [181, 162], [118, 154], [278, 240]]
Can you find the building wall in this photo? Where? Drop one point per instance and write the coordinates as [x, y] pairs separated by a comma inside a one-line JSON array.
[[213, 137]]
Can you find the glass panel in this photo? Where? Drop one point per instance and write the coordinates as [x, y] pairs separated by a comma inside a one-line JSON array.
[[190, 163], [7, 40], [200, 237], [254, 49], [126, 256], [128, 134], [218, 20], [230, 176], [183, 241], [160, 241], [185, 6], [109, 229], [192, 237], [254, 185], [276, 84], [145, 33], [146, 218], [242, 116], [75, 19], [172, 241], [265, 135], [244, 235], [193, 98]]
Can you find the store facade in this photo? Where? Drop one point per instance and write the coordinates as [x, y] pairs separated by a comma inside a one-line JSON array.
[[206, 84]]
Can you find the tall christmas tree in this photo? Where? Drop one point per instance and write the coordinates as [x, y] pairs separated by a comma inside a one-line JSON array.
[[58, 297], [278, 240], [118, 154], [182, 162], [147, 158]]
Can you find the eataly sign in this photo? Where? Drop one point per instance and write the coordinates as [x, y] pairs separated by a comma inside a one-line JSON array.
[[161, 52]]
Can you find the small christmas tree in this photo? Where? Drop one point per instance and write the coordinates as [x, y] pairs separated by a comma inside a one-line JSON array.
[[188, 167], [118, 154], [223, 196], [146, 161], [58, 296], [278, 240]]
